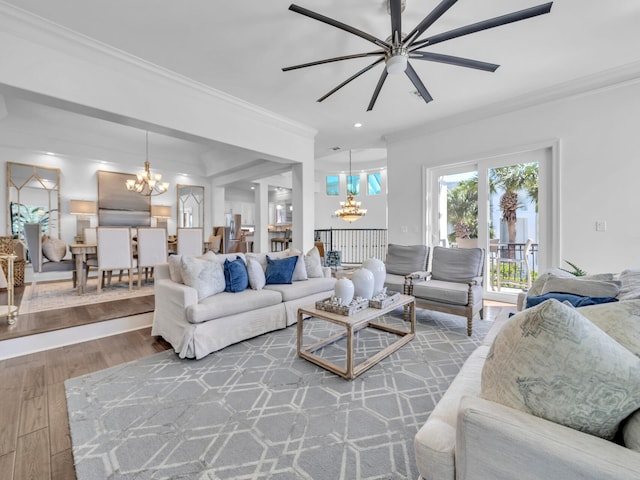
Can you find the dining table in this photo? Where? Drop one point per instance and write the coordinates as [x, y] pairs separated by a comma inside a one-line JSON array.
[[80, 251]]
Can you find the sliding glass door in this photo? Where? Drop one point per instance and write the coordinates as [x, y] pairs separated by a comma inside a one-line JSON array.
[[502, 204]]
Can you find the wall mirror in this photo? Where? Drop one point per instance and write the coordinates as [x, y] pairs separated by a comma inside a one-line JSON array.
[[33, 196], [190, 206]]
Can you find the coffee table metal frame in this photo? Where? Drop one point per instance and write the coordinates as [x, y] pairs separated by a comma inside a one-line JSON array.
[[352, 324]]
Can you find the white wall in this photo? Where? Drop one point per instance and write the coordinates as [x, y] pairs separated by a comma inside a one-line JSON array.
[[599, 170]]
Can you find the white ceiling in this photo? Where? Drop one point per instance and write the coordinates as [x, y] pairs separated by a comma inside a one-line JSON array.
[[240, 46]]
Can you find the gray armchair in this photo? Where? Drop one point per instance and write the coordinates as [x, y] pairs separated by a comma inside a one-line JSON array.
[[33, 236], [403, 260], [454, 284]]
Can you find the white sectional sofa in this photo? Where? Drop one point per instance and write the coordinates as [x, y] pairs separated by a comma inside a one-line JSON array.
[[196, 328], [471, 437]]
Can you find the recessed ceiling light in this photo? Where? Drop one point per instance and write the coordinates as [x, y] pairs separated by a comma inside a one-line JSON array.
[[357, 125], [253, 188]]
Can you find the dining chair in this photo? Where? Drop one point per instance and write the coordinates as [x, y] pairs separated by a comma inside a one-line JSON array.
[[115, 252], [190, 241], [152, 250], [33, 236]]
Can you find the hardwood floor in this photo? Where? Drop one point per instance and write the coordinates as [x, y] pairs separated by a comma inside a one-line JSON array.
[[32, 323], [34, 425]]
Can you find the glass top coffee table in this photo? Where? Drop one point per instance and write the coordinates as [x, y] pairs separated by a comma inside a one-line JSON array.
[[352, 323]]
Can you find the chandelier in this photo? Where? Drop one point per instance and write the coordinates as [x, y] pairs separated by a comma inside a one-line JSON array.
[[350, 210], [147, 183]]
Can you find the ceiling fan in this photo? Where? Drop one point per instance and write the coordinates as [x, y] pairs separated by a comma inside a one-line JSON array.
[[396, 50]]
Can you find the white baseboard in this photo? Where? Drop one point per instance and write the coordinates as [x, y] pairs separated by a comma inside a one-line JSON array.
[[16, 347]]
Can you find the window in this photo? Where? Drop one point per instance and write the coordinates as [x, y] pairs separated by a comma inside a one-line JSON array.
[[353, 185], [373, 184], [333, 185]]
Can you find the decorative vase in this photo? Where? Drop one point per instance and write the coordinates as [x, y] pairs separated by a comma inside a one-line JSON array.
[[379, 271], [343, 290], [363, 282]]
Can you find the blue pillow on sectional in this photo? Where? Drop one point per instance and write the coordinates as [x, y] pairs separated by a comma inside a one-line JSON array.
[[575, 300], [235, 275], [280, 271]]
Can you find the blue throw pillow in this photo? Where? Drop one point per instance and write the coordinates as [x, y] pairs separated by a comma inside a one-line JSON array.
[[280, 271], [575, 300], [235, 275]]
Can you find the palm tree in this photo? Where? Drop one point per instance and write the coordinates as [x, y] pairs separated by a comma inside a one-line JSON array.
[[462, 208], [513, 179]]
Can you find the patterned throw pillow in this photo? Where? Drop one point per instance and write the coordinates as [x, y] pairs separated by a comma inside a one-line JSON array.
[[205, 275], [621, 321], [552, 362], [631, 432], [54, 249], [280, 271]]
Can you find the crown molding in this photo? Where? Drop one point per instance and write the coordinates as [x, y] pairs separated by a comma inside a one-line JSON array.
[[584, 86], [37, 29]]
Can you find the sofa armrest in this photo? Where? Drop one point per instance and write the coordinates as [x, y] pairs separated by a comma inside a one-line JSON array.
[[498, 442], [172, 300]]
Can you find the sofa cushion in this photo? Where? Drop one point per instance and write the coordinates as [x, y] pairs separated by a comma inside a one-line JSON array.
[[630, 288], [297, 290], [257, 279], [225, 304], [235, 275], [453, 293], [552, 362], [280, 270], [406, 259], [457, 264], [206, 276], [580, 286], [620, 320], [313, 263], [53, 249]]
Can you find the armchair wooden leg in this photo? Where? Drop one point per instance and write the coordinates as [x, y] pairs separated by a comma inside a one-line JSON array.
[[469, 325]]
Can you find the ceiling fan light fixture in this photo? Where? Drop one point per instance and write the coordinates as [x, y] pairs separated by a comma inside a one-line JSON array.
[[397, 64]]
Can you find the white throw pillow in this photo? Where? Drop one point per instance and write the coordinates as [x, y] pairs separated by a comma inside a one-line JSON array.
[[580, 286], [205, 275], [619, 320], [552, 362], [630, 289], [300, 271], [257, 279], [54, 249], [313, 263], [175, 268]]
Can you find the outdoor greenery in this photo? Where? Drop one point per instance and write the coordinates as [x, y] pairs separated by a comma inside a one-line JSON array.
[[21, 214], [462, 200]]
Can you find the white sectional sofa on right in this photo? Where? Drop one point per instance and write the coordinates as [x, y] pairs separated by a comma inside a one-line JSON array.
[[494, 420]]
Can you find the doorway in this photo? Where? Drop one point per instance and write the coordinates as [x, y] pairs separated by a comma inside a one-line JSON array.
[[503, 204]]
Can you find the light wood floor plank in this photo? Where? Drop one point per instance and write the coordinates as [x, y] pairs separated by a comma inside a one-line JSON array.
[[7, 463], [59, 435], [10, 418], [32, 457], [62, 466], [33, 414]]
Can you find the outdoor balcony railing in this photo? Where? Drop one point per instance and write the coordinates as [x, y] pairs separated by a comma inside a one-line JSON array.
[[355, 244]]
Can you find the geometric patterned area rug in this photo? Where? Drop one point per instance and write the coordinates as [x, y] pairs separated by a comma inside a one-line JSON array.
[[38, 297], [255, 410]]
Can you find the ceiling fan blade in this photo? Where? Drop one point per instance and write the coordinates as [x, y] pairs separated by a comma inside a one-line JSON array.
[[376, 92], [335, 59], [396, 20], [422, 90], [487, 24], [429, 20], [340, 25], [351, 78], [451, 60]]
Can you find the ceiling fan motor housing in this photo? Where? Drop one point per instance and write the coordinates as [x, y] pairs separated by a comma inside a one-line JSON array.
[[397, 61]]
